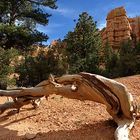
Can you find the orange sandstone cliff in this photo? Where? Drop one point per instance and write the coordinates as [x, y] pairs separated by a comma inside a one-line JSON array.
[[120, 28]]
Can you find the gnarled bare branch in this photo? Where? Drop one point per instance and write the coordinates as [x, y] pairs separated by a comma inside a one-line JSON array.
[[87, 86]]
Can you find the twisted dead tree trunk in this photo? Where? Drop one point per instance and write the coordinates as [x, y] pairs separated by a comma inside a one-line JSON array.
[[85, 86]]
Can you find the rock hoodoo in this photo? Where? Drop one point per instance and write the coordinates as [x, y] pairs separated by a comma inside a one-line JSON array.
[[120, 28], [135, 25]]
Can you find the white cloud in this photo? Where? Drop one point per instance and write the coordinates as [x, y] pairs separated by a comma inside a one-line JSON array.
[[51, 28], [102, 25], [66, 12]]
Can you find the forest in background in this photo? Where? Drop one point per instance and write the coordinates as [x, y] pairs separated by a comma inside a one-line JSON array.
[[80, 50]]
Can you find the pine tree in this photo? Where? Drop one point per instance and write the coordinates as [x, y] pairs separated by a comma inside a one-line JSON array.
[[111, 59], [6, 66], [83, 45], [18, 20], [129, 58], [38, 68]]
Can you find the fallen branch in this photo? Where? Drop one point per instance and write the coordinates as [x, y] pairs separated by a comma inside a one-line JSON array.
[[86, 86], [18, 102], [12, 104]]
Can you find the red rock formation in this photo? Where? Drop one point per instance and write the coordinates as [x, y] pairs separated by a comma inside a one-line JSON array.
[[54, 43], [120, 28], [37, 49], [135, 25]]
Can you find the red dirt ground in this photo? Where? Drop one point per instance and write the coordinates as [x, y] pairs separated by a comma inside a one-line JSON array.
[[65, 119]]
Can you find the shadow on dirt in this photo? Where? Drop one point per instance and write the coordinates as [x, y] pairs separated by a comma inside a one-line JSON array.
[[8, 114], [103, 130], [15, 121], [6, 134]]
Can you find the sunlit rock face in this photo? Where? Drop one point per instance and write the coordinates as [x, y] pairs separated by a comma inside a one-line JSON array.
[[120, 28], [135, 25]]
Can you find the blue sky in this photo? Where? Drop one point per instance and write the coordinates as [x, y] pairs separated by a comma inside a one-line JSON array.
[[62, 18]]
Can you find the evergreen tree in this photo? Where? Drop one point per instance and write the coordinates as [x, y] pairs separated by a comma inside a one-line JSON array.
[[129, 58], [18, 20], [33, 70], [137, 52], [38, 68], [83, 46], [6, 66], [58, 51], [111, 59], [125, 62]]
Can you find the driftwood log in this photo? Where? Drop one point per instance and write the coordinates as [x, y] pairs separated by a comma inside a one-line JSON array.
[[84, 86]]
